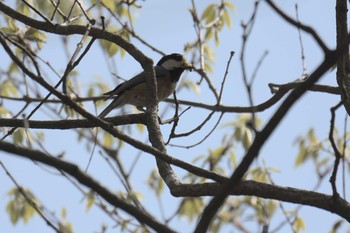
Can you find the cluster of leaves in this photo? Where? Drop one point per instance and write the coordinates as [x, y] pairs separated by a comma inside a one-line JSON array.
[[121, 12], [319, 152], [18, 207], [223, 160], [213, 19]]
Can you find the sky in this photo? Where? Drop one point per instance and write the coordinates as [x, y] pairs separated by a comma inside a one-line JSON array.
[[168, 26]]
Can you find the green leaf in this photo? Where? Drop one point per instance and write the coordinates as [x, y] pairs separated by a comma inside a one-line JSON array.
[[91, 92], [247, 138], [302, 154], [208, 34], [298, 225], [109, 47], [312, 137], [8, 89], [35, 35], [226, 18], [11, 210], [110, 4], [23, 8], [233, 159], [107, 140], [12, 24], [215, 156], [140, 128], [155, 182], [18, 206], [191, 207], [192, 86], [216, 38], [8, 31], [63, 212], [90, 200], [271, 207], [258, 174], [211, 17], [210, 10], [13, 68], [18, 136], [229, 5]]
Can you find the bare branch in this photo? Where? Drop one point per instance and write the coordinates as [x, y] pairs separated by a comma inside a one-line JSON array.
[[232, 53], [71, 124], [297, 24], [86, 180], [343, 63], [107, 126], [260, 139], [287, 194], [30, 200], [301, 43], [337, 154]]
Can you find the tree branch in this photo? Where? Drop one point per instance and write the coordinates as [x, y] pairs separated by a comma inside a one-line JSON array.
[[287, 194], [260, 139], [71, 124], [299, 25], [279, 90], [86, 180], [343, 63], [337, 153], [107, 126], [75, 29]]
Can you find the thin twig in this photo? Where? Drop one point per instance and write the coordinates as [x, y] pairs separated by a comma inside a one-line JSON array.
[[301, 43], [30, 201], [71, 64], [258, 65], [296, 24], [337, 154], [247, 29], [344, 155], [37, 12], [214, 205], [232, 53], [176, 119]]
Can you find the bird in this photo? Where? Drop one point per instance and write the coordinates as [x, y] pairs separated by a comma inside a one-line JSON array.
[[134, 91]]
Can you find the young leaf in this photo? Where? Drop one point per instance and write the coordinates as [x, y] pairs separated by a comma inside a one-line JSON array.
[[298, 225], [226, 18], [90, 200], [208, 11], [191, 207]]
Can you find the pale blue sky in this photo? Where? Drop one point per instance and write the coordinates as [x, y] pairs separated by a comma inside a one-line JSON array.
[[168, 25]]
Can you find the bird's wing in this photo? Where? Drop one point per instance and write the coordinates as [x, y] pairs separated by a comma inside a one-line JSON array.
[[138, 79]]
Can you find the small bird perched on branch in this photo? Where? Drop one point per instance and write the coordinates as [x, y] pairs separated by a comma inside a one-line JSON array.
[[134, 91]]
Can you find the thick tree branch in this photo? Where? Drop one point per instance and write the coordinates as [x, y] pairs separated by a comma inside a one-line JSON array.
[[337, 153], [107, 126], [86, 180], [299, 25], [279, 90], [147, 64], [71, 124], [287, 194], [152, 123], [260, 139], [343, 63], [76, 29]]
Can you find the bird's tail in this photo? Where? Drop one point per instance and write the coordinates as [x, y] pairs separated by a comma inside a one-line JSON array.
[[116, 103]]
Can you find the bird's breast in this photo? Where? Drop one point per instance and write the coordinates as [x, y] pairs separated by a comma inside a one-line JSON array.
[[165, 88]]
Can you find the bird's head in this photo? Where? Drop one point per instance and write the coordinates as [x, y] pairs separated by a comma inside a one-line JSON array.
[[174, 61]]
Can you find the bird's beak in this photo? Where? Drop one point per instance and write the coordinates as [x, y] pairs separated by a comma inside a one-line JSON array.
[[188, 66]]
